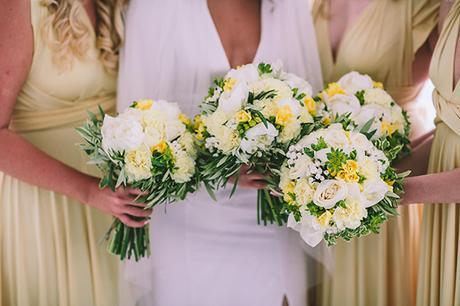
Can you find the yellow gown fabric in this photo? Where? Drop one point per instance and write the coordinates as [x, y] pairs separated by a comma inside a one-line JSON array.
[[50, 252], [439, 273], [379, 269]]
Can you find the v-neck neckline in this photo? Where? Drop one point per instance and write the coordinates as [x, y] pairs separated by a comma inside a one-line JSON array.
[[218, 41], [348, 30]]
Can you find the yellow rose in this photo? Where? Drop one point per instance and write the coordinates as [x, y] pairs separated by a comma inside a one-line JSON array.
[[160, 147], [144, 104], [243, 116], [283, 115], [325, 218], [229, 83], [334, 89], [310, 104], [378, 85]]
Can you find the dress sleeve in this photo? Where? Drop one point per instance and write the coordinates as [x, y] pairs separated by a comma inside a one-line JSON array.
[[425, 15]]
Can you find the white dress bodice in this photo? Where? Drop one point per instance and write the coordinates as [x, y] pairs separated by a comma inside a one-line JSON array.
[[205, 252]]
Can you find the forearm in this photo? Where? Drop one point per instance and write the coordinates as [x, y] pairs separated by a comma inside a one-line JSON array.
[[433, 188], [417, 162], [20, 159]]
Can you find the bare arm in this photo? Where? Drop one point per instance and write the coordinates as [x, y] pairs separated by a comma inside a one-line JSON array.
[[21, 159], [417, 162]]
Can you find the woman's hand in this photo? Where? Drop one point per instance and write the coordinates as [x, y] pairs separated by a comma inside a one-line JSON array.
[[120, 204], [251, 180]]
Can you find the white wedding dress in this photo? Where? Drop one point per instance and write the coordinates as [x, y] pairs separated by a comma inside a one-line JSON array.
[[207, 253]]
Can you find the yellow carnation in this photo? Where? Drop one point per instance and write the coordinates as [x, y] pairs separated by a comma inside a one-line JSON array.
[[144, 104], [378, 85], [310, 104], [229, 84], [283, 115], [334, 89], [388, 128], [160, 147], [325, 218]]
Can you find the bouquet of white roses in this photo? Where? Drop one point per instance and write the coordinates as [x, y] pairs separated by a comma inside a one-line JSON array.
[[250, 117], [150, 147], [337, 184], [365, 106]]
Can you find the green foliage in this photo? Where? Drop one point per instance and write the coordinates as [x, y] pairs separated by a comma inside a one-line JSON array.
[[264, 68]]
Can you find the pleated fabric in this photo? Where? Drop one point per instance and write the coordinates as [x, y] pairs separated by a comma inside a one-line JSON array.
[[49, 244], [381, 269], [439, 271]]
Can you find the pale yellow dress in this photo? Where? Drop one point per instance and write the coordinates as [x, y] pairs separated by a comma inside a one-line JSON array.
[[439, 273], [49, 250], [379, 269]]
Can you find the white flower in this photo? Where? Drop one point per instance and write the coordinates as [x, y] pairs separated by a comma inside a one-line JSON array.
[[290, 131], [301, 168], [353, 82], [350, 216], [321, 155], [374, 191], [187, 142], [120, 134], [308, 227], [296, 82], [231, 101], [378, 96], [369, 112], [303, 192], [293, 104], [344, 104], [138, 164], [368, 168], [244, 74], [281, 89], [258, 137], [329, 192], [184, 167]]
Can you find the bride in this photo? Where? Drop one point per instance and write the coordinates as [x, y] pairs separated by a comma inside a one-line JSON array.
[[206, 252]]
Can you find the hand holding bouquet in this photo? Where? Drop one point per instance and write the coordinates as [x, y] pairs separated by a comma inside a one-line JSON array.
[[337, 184], [250, 117], [149, 147]]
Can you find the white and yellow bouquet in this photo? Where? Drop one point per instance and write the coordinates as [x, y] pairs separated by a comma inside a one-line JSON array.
[[337, 184], [364, 105], [250, 117], [151, 147]]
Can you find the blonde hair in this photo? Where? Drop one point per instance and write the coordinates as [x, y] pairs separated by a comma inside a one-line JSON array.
[[70, 37]]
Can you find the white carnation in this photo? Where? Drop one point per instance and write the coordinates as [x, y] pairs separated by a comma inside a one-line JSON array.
[[138, 164], [353, 82]]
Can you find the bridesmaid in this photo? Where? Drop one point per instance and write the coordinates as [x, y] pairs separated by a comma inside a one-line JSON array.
[[439, 269], [389, 40], [57, 59]]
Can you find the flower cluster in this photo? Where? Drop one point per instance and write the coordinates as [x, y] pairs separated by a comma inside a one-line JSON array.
[[151, 147], [250, 117], [370, 109], [336, 183]]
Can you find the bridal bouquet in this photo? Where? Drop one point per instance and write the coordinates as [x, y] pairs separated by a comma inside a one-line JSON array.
[[337, 184], [150, 147], [250, 117], [365, 106]]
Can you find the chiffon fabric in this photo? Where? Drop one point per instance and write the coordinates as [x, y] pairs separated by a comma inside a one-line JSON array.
[[204, 252], [49, 250], [439, 272], [380, 269]]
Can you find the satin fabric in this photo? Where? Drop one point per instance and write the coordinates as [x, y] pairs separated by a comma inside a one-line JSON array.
[[380, 269], [50, 253], [204, 252], [439, 271]]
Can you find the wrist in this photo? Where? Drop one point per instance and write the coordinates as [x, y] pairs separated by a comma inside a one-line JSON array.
[[84, 190]]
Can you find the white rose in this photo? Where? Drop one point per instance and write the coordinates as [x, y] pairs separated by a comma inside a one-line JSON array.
[[138, 164], [296, 82], [378, 96], [329, 192], [374, 191], [120, 134], [344, 104], [258, 137], [308, 227], [232, 101], [353, 82]]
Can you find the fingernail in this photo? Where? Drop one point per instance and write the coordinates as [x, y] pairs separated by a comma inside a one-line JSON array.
[[146, 222]]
